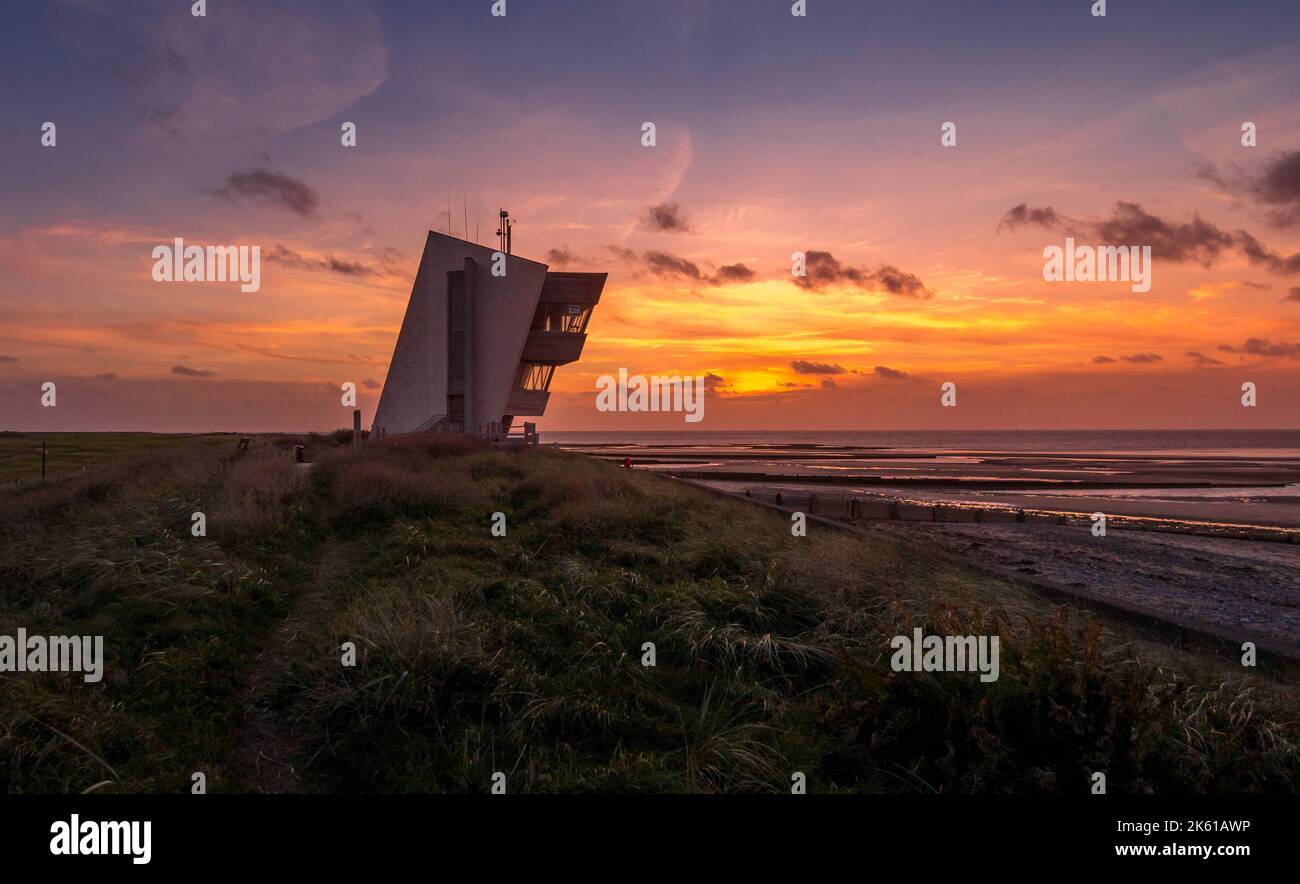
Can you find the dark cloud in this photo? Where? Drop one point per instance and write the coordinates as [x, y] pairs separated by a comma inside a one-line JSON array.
[[1264, 347], [370, 384], [1279, 185], [1293, 295], [281, 255], [1201, 360], [666, 265], [270, 188], [561, 257], [4, 358], [1137, 358], [715, 383], [828, 384], [665, 218], [803, 367], [733, 273], [824, 270], [1258, 253], [347, 268], [897, 282], [1276, 186], [893, 374], [106, 376], [1025, 216], [1197, 240], [669, 266], [192, 372]]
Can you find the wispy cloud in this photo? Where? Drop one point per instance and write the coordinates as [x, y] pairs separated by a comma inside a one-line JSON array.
[[280, 254]]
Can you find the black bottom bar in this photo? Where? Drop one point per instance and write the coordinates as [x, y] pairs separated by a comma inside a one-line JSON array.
[[601, 834]]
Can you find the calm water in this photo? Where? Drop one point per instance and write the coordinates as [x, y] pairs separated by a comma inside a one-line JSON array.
[[1260, 442]]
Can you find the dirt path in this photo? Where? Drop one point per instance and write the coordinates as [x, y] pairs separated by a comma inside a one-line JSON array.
[[266, 746]]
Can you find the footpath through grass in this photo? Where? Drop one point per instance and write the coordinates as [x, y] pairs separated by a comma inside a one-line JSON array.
[[524, 654]]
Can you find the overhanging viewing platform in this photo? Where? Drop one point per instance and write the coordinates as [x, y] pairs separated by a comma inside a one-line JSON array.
[[527, 402], [553, 347]]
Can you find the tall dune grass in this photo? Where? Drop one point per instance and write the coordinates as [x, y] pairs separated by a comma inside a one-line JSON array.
[[523, 654]]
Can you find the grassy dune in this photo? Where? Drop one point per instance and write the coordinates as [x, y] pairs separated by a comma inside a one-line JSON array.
[[523, 653]]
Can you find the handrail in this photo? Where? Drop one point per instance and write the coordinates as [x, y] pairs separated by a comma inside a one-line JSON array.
[[437, 424]]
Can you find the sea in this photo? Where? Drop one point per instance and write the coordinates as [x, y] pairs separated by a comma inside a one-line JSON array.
[[1254, 442]]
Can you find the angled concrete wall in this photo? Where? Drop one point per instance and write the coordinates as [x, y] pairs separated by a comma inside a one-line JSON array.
[[415, 389]]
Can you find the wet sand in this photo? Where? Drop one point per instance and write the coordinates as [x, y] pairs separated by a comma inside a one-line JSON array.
[[1191, 562], [1241, 487], [1240, 590]]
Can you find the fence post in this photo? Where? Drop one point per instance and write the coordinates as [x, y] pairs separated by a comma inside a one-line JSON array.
[[356, 430]]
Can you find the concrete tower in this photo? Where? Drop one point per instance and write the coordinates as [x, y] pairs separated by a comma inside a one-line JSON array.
[[476, 350]]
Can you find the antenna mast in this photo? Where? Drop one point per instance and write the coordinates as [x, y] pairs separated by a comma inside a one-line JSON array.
[[504, 231]]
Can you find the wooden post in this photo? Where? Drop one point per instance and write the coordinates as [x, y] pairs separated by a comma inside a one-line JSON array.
[[356, 430]]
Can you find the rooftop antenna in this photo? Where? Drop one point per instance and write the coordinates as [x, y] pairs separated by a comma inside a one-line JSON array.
[[504, 231], [464, 208], [449, 214]]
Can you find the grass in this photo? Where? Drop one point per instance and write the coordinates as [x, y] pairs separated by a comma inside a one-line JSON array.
[[524, 653], [68, 453]]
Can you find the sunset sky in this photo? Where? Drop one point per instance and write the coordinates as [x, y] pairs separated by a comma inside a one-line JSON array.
[[774, 134]]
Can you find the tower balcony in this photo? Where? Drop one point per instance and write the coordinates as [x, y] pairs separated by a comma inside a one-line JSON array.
[[553, 347], [529, 403]]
